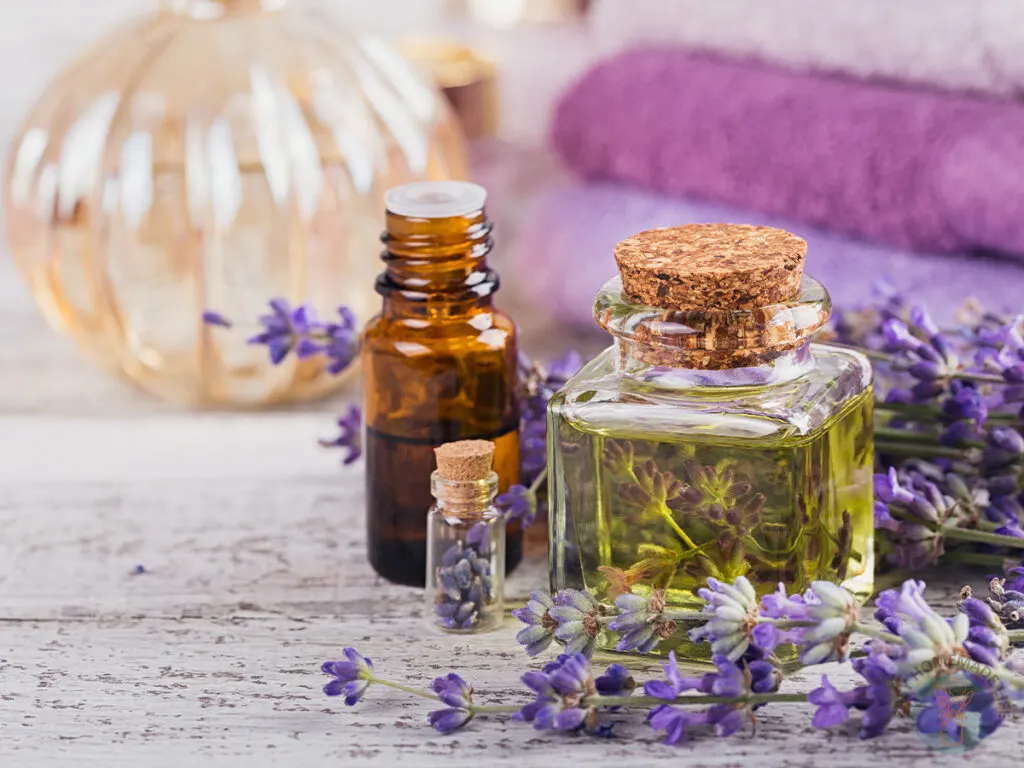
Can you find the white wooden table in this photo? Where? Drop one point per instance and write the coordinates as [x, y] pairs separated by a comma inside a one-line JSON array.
[[252, 539]]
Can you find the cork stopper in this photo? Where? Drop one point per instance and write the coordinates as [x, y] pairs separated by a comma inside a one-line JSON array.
[[711, 266], [465, 460]]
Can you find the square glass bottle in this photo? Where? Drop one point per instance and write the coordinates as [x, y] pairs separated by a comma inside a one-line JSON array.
[[712, 439]]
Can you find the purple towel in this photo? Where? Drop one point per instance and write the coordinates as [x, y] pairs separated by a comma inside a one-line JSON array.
[[921, 170], [563, 254]]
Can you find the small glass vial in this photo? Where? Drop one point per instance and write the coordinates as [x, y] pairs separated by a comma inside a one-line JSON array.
[[465, 541], [712, 439]]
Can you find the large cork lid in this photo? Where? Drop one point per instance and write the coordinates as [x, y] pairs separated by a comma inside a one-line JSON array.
[[711, 266], [465, 460]]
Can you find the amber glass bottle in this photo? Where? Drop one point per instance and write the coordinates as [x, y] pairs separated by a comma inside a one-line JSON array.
[[439, 364]]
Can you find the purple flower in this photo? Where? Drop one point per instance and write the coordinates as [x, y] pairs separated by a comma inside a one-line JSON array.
[[538, 384], [931, 642], [729, 680], [878, 698], [342, 341], [832, 707], [675, 683], [835, 611], [457, 694], [541, 625], [616, 681], [560, 692], [675, 722], [350, 435], [285, 331], [351, 677], [464, 586], [641, 621], [216, 318], [912, 506], [578, 624], [733, 619], [518, 503]]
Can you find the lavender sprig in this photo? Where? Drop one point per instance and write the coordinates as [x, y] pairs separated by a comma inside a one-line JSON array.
[[918, 659], [286, 330]]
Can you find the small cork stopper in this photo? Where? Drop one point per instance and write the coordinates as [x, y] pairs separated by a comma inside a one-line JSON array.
[[711, 266], [465, 460]]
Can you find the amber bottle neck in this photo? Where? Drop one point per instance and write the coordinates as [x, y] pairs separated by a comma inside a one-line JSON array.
[[436, 265]]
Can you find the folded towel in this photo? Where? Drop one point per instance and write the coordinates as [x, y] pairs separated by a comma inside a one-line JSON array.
[[970, 44], [921, 170], [563, 254]]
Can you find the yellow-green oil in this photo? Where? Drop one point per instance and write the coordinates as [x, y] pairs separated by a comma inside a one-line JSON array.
[[643, 514]]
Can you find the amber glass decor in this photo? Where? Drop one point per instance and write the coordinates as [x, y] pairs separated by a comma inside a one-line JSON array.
[[210, 156]]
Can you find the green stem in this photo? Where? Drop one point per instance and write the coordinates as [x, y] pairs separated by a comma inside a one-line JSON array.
[[981, 537], [919, 438], [930, 413], [665, 512], [406, 688], [914, 449], [951, 532], [652, 701], [880, 634], [1015, 635], [973, 558], [535, 485]]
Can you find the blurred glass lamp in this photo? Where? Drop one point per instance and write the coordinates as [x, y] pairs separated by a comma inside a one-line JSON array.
[[509, 13], [212, 156]]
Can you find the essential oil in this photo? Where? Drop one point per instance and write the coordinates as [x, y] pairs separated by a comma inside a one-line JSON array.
[[712, 439], [439, 365]]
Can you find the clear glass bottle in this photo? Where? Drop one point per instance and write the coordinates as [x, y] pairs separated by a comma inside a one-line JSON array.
[[439, 365], [712, 442], [212, 155], [465, 556]]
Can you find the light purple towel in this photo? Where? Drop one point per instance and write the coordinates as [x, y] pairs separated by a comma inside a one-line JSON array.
[[563, 254], [922, 170]]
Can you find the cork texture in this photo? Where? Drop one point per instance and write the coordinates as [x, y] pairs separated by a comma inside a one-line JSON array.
[[465, 460], [711, 266]]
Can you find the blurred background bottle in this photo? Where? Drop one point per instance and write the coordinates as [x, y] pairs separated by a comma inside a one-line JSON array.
[[209, 156]]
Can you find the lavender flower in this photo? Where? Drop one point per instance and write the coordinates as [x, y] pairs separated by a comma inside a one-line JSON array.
[[616, 681], [835, 612], [932, 643], [350, 435], [351, 677], [729, 680], [560, 692], [541, 625], [297, 331], [518, 503], [216, 319], [878, 698], [457, 694], [464, 587], [675, 683], [642, 621], [538, 384], [910, 507], [577, 614], [987, 640], [733, 624]]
